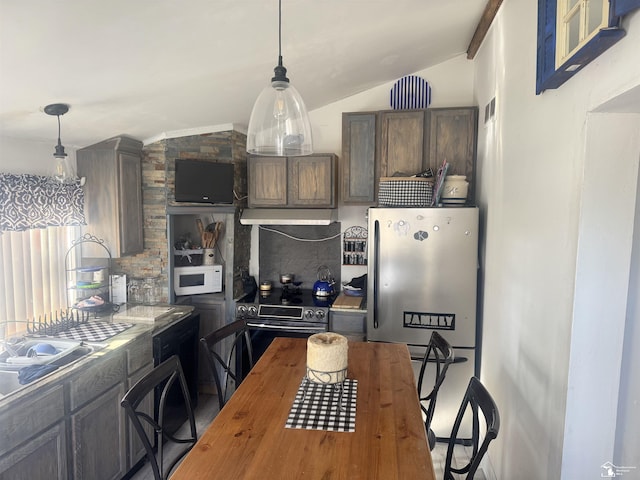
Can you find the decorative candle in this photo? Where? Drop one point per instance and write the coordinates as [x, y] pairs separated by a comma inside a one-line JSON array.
[[327, 358]]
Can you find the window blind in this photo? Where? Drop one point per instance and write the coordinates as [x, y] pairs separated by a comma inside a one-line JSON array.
[[32, 275]]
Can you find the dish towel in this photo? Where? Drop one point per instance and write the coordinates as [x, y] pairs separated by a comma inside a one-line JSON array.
[[33, 372], [316, 407]]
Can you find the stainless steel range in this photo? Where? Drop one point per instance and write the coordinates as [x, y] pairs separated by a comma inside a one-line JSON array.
[[283, 312]]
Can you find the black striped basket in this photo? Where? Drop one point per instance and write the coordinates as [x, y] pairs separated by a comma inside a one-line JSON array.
[[410, 92]]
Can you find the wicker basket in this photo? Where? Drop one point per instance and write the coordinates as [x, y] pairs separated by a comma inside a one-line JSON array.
[[405, 192]]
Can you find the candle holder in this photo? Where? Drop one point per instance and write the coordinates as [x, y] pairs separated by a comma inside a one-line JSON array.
[[335, 378]]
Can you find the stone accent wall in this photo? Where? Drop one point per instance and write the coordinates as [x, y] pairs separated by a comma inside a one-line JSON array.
[[223, 147], [158, 180]]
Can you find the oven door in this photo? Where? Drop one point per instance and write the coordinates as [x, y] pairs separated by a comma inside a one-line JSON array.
[[263, 332]]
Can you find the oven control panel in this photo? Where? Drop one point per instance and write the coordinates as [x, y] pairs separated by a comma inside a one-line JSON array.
[[281, 312]]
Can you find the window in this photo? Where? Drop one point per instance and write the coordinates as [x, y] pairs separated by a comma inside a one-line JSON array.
[[571, 33], [32, 275], [577, 22]]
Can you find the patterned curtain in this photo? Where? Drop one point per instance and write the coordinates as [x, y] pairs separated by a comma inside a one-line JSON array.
[[33, 201]]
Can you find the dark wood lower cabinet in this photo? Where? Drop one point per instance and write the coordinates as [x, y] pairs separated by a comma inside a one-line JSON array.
[[76, 429], [135, 448], [212, 314], [45, 456], [351, 324], [98, 437]]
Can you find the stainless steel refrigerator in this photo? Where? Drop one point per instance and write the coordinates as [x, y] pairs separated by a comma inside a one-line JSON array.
[[422, 276]]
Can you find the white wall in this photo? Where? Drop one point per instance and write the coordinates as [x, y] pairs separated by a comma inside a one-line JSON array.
[[451, 86], [553, 280], [627, 451], [18, 156]]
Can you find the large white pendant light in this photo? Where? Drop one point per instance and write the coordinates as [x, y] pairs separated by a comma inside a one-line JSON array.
[[279, 123]]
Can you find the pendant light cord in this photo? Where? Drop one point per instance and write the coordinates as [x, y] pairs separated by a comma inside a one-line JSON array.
[[280, 32], [280, 71], [59, 153]]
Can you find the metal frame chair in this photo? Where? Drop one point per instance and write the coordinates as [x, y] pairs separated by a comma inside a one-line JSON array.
[[479, 400], [149, 426], [440, 353], [240, 333]]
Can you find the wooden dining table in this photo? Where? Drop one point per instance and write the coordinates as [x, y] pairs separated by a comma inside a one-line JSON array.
[[248, 438]]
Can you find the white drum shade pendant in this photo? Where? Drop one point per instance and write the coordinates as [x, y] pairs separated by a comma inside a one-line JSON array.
[[279, 124]]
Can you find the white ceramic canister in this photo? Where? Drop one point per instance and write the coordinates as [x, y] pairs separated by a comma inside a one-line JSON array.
[[209, 256], [455, 189]]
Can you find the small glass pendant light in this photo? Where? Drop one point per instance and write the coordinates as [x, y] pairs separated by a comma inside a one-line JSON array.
[[62, 170], [279, 124]]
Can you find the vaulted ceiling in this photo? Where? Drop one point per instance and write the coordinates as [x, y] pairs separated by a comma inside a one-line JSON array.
[[145, 67]]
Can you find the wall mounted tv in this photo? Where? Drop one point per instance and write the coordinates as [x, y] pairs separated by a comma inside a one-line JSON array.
[[201, 181]]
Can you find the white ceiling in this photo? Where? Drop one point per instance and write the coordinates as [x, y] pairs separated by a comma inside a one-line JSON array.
[[145, 67]]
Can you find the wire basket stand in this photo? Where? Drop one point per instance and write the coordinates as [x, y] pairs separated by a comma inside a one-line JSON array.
[[335, 378]]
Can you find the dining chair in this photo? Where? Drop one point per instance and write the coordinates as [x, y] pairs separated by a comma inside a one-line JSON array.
[[478, 399], [440, 355], [233, 338], [150, 425]]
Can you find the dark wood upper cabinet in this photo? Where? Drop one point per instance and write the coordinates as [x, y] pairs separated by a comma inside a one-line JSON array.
[[113, 194], [312, 181], [299, 182], [402, 142], [380, 144], [267, 177], [453, 137], [358, 162]]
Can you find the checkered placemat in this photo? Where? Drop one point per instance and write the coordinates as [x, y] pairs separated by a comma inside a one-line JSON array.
[[316, 407], [94, 331]]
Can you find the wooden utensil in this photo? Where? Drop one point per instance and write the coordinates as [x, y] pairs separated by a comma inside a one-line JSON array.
[[216, 232], [201, 230]]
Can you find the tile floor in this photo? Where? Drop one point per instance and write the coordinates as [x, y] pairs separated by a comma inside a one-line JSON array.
[[208, 408]]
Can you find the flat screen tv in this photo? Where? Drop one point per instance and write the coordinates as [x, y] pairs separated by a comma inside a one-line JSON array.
[[200, 181]]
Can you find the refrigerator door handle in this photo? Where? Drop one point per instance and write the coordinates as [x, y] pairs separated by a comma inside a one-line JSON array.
[[376, 268]]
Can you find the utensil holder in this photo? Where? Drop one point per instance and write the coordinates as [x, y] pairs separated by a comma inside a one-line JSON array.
[[209, 256]]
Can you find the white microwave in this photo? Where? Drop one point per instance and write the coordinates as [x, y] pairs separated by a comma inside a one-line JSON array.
[[194, 280]]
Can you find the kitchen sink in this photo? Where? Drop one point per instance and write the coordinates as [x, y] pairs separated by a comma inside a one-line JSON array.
[[66, 353], [23, 353]]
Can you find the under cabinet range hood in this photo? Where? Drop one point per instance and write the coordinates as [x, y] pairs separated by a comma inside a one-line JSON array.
[[288, 216]]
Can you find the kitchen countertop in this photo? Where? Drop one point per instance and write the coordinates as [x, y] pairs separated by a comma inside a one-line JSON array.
[[346, 303], [140, 327], [178, 312]]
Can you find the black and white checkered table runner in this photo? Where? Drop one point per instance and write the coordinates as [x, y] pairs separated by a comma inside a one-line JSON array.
[[94, 331], [316, 407]]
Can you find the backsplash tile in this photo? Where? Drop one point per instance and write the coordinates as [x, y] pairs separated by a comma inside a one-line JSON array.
[[282, 254]]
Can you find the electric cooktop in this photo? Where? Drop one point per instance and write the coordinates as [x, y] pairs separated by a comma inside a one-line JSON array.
[[290, 296]]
